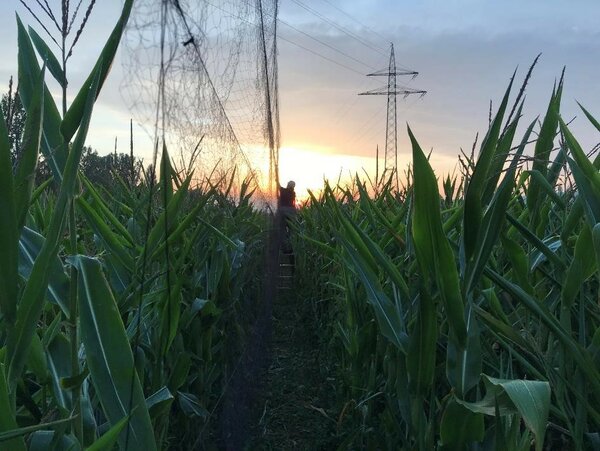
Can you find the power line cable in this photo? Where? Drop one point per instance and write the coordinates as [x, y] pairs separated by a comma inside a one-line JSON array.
[[367, 130], [308, 35], [354, 19], [339, 27], [341, 52], [314, 52], [362, 25], [346, 107], [321, 56], [365, 127]]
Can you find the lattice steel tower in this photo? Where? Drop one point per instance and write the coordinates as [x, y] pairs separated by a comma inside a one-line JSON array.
[[391, 91]]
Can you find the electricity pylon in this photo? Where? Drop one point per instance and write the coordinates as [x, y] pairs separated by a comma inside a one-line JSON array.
[[391, 129]]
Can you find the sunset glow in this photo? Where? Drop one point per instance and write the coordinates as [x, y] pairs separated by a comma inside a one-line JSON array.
[[309, 168], [327, 130]]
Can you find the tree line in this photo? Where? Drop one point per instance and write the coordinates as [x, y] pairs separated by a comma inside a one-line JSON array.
[[99, 169]]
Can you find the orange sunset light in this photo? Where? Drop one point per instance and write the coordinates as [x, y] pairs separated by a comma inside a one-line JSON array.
[[310, 167]]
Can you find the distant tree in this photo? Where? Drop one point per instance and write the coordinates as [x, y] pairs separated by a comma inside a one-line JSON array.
[[103, 170], [129, 171], [14, 117], [150, 175], [98, 169]]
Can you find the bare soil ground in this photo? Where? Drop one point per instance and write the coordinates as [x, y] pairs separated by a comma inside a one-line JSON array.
[[297, 393], [281, 395]]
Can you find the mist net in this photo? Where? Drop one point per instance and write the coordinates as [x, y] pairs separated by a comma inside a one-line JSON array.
[[201, 76]]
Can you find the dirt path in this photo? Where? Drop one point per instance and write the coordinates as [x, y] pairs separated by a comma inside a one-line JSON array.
[[298, 388]]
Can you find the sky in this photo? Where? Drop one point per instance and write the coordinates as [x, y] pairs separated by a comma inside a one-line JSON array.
[[464, 50]]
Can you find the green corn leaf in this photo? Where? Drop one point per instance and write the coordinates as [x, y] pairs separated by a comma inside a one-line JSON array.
[[537, 256], [52, 329], [584, 171], [56, 440], [75, 382], [37, 192], [530, 399], [545, 141], [518, 261], [453, 220], [99, 204], [591, 118], [119, 205], [433, 251], [490, 295], [166, 176], [361, 240], [72, 119], [119, 275], [110, 437], [216, 232], [53, 147], [36, 360], [579, 354], [179, 374], [30, 246], [46, 54], [158, 233], [159, 403], [420, 360], [19, 432], [378, 218], [8, 231], [590, 205], [493, 220], [501, 153], [582, 267], [353, 237], [501, 328], [596, 240], [541, 156], [190, 405], [479, 179], [460, 426], [190, 312], [464, 365], [109, 356], [88, 420], [32, 134], [541, 246], [58, 356], [182, 227], [553, 175], [32, 298], [7, 419], [113, 242], [170, 314], [388, 317], [544, 186]]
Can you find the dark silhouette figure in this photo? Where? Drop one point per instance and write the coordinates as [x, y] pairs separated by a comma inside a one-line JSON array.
[[286, 210], [287, 196]]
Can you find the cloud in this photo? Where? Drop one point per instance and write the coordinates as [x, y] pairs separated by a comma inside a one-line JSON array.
[[462, 73], [464, 50]]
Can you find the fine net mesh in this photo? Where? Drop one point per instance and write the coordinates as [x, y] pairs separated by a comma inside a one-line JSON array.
[[211, 68]]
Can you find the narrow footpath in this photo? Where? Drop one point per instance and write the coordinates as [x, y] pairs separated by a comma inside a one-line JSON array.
[[298, 391]]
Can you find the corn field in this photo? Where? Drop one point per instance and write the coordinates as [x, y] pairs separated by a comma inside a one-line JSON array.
[[466, 320]]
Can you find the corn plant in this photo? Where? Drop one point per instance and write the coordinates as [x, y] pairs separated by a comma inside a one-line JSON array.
[[459, 318], [122, 332]]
